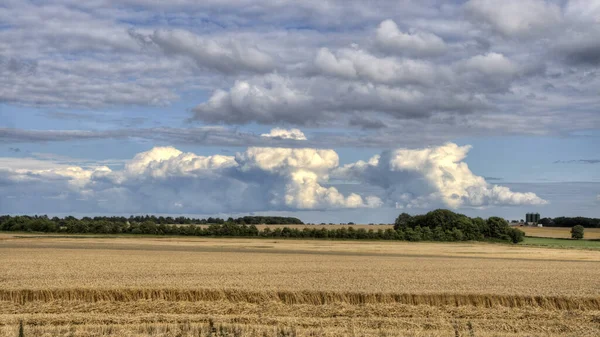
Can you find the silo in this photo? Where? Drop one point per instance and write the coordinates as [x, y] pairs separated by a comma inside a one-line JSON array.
[[528, 217], [536, 218]]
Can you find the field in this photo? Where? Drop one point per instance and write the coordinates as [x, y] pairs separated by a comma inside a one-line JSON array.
[[158, 286], [558, 232], [562, 243]]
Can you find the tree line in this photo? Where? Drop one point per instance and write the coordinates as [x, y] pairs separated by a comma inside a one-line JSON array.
[[443, 224], [161, 220], [438, 225], [570, 222]]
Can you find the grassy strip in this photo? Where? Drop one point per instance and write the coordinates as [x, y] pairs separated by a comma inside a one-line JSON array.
[[561, 243]]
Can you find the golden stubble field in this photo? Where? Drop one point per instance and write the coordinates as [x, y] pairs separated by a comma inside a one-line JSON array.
[[86, 286], [558, 232]]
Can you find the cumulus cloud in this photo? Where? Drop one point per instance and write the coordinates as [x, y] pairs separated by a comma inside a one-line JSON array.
[[356, 63], [282, 159], [516, 18], [414, 43], [423, 61], [492, 64], [270, 100], [276, 99], [377, 76], [432, 176], [377, 64], [163, 162], [165, 179], [279, 133], [228, 56]]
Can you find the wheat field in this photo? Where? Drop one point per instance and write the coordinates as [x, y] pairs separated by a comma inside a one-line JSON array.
[[95, 286], [559, 232]]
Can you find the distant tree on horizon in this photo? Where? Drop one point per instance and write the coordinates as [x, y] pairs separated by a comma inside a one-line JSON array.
[[577, 232]]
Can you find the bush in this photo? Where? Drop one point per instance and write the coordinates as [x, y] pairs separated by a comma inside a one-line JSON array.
[[516, 235], [577, 232]]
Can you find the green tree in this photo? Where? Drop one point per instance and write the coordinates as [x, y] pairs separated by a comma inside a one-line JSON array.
[[266, 232], [497, 228], [442, 217], [413, 234], [577, 232], [457, 234], [439, 234], [426, 234], [402, 221], [516, 235]]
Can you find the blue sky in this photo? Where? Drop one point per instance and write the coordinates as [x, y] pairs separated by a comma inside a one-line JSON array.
[[324, 110]]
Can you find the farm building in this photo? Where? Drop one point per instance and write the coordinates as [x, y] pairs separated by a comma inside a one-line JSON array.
[[532, 219]]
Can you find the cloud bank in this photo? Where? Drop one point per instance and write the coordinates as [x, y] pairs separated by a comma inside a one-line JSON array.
[[165, 179], [461, 66]]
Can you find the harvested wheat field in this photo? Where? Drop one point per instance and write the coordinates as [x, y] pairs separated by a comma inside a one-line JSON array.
[[558, 232], [117, 286]]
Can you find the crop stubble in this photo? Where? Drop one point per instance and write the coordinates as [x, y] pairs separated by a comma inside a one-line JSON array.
[[175, 286]]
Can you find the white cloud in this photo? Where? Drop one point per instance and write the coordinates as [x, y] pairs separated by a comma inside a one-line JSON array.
[[426, 177], [415, 43], [516, 18], [329, 63], [402, 89], [413, 74], [304, 192], [165, 179], [126, 57], [228, 57], [356, 63], [163, 162], [492, 64], [283, 159], [302, 171], [280, 133], [583, 10], [270, 100]]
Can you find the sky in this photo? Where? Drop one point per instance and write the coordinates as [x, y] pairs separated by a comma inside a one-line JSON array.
[[328, 110]]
